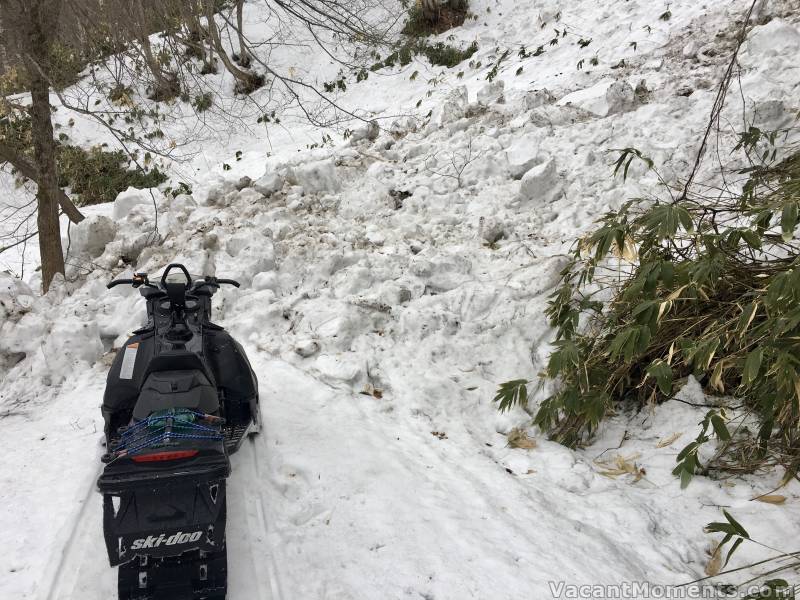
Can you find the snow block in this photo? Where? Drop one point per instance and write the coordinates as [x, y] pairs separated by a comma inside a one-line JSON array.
[[541, 183], [268, 184], [602, 99], [92, 235], [218, 192], [620, 97], [14, 296], [243, 182], [315, 177], [522, 155], [453, 108], [536, 98], [402, 126], [776, 38], [369, 131], [493, 93], [127, 200]]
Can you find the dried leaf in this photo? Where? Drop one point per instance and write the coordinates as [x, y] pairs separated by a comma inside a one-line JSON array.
[[622, 466], [715, 564], [518, 438], [772, 499], [668, 440]]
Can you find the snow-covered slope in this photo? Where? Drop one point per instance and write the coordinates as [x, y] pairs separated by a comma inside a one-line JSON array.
[[390, 284]]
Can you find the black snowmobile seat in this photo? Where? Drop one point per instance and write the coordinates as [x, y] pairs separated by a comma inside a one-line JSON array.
[[176, 389]]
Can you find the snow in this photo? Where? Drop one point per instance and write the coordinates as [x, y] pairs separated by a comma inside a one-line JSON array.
[[383, 301], [127, 201]]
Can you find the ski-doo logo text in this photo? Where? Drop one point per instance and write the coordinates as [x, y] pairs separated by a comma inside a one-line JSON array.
[[152, 541]]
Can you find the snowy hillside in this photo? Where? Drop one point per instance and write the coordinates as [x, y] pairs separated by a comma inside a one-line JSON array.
[[390, 281]]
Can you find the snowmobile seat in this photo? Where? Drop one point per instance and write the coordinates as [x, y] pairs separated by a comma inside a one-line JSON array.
[[177, 360], [176, 389]]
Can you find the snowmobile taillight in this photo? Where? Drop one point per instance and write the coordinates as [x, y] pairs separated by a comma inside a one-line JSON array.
[[161, 456]]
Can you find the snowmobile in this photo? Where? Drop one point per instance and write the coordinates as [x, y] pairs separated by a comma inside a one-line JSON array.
[[180, 398]]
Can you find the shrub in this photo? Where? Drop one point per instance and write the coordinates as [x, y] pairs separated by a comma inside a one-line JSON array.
[[426, 17], [439, 54], [203, 102], [448, 56], [707, 286], [98, 176]]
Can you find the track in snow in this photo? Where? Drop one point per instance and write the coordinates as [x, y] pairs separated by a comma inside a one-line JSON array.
[[252, 567]]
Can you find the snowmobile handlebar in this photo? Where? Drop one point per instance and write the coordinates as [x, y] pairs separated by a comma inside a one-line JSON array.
[[140, 279], [216, 281]]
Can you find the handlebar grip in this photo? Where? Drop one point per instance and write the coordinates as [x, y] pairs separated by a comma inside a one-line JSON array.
[[117, 282], [229, 282]]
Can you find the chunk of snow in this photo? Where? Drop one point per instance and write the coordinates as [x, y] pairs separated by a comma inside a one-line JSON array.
[[91, 235], [453, 108], [541, 183], [691, 49], [315, 177], [126, 201], [602, 99], [269, 183], [403, 125], [219, 191], [522, 154], [536, 98], [776, 38], [492, 93], [620, 97], [368, 131]]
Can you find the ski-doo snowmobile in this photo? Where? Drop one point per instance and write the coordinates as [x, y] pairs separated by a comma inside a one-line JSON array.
[[180, 398]]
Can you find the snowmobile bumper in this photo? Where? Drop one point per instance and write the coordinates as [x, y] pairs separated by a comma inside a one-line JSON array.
[[164, 512], [191, 576]]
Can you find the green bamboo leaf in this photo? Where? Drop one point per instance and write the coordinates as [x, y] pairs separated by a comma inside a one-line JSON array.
[[748, 313], [686, 478], [752, 238], [739, 529], [752, 365], [662, 373], [789, 221], [686, 451], [720, 428], [736, 544]]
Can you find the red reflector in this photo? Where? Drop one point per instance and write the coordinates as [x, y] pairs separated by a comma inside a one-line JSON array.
[[175, 455]]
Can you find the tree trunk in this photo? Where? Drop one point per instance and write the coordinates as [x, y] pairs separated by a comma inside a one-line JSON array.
[[248, 81], [166, 86], [44, 146], [244, 55]]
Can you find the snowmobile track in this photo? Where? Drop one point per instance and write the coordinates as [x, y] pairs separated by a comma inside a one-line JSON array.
[[260, 579], [65, 572]]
